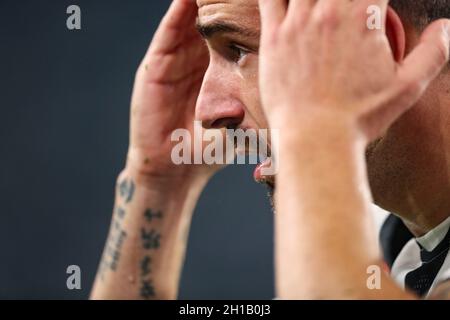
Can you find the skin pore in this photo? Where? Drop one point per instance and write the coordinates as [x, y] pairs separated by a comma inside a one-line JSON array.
[[407, 167]]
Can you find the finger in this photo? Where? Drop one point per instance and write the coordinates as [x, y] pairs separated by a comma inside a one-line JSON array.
[[179, 18], [366, 3], [366, 8], [300, 5], [300, 9], [331, 8], [426, 61], [180, 14], [272, 13], [377, 10]]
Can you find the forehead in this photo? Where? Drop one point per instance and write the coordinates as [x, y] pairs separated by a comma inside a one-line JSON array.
[[242, 12]]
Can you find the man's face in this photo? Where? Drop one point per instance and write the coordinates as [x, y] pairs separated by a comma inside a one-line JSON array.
[[229, 96]]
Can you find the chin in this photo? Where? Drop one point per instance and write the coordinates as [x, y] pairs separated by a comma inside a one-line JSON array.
[[387, 172]]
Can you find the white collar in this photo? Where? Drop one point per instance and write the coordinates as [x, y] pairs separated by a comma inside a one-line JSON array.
[[432, 238]]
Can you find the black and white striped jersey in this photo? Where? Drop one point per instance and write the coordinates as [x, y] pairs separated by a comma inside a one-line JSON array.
[[417, 264]]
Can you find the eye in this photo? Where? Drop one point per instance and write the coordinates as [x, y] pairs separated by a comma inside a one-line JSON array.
[[237, 52]]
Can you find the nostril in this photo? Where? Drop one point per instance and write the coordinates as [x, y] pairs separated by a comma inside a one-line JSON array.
[[229, 123]]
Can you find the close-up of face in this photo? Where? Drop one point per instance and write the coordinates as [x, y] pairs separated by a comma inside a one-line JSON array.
[[229, 97]]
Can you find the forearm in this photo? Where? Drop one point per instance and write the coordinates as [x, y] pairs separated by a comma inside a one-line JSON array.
[[144, 253], [324, 232]]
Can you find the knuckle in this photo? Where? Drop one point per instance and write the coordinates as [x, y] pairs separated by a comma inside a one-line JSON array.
[[410, 88], [442, 53], [328, 16], [362, 21], [300, 20]]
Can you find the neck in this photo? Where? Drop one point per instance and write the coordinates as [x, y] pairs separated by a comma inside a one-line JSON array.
[[417, 184], [421, 225]]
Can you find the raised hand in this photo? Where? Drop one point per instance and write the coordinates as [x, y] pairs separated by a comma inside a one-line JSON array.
[[165, 93], [320, 60]]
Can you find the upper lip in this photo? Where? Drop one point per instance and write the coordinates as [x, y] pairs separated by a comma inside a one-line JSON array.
[[262, 157]]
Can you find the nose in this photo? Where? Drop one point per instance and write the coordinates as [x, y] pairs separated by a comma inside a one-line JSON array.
[[218, 104]]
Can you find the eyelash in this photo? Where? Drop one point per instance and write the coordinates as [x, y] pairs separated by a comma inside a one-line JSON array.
[[238, 52]]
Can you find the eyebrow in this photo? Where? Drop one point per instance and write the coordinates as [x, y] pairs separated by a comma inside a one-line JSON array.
[[208, 30]]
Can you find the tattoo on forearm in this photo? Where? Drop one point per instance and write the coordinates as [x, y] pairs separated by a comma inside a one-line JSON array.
[[151, 241], [126, 190], [147, 290], [114, 244], [120, 212], [146, 266], [150, 215], [117, 234]]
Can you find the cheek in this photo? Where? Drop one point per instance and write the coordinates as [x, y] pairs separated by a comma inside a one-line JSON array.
[[222, 79], [250, 92]]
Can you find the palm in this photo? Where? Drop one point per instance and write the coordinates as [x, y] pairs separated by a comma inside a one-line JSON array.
[[167, 85]]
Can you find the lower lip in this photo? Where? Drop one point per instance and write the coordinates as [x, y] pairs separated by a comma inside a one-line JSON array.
[[257, 173]]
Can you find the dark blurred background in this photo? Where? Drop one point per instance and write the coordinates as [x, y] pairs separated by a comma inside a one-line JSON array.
[[64, 101]]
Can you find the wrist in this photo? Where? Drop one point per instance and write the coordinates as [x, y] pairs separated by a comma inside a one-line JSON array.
[[321, 158], [170, 187], [163, 175], [313, 131], [147, 170]]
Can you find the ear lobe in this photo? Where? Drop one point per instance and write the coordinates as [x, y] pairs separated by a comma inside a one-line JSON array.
[[396, 35]]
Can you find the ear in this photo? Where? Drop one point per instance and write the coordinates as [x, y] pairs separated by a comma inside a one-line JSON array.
[[395, 32]]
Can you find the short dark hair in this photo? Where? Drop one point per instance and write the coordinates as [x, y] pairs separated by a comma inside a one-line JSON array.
[[420, 13]]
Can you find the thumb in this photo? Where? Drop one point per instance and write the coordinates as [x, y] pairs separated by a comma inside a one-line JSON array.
[[426, 61]]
